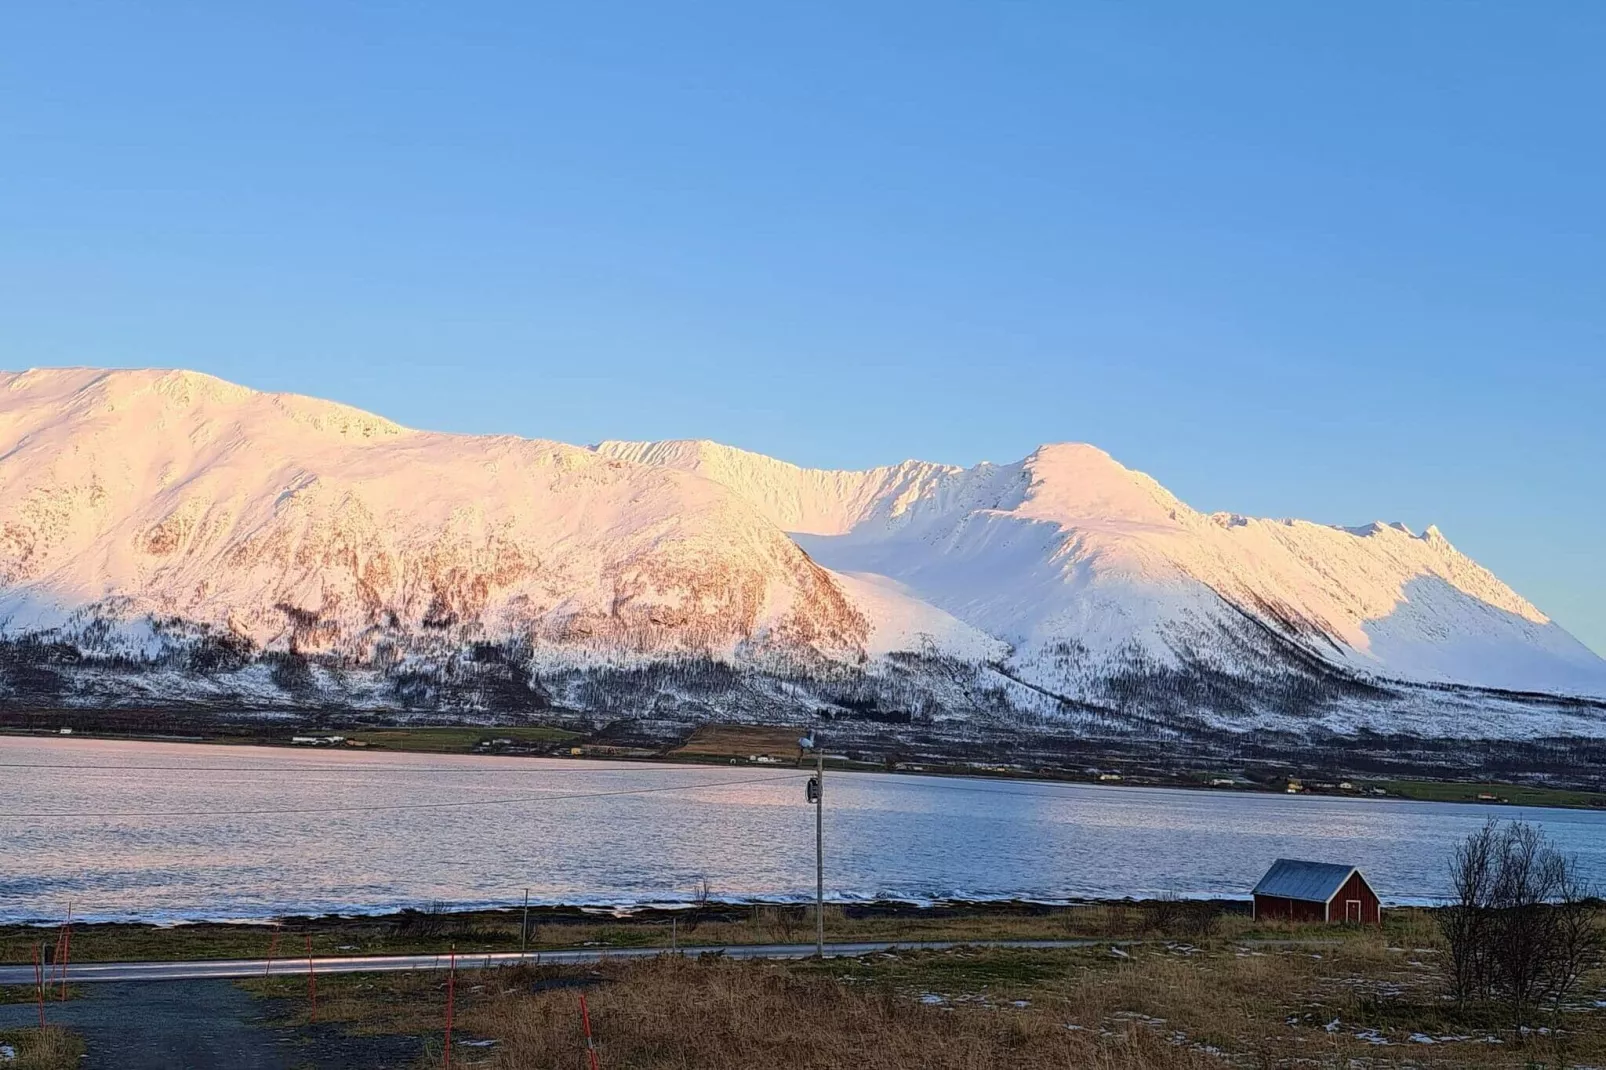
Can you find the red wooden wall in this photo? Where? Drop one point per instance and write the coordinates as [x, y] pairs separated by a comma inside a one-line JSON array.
[[1269, 907], [1371, 911]]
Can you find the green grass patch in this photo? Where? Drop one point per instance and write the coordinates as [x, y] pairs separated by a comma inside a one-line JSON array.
[[457, 740], [951, 972], [1514, 794], [29, 994]]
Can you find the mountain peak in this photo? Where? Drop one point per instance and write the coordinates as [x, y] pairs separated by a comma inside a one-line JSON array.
[[1074, 481], [142, 509]]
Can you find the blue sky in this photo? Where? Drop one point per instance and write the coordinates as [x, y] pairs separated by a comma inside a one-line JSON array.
[[1345, 262]]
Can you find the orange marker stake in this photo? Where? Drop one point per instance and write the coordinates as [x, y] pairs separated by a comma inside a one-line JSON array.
[[591, 1047]]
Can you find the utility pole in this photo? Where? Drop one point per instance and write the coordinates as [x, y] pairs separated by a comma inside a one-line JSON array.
[[814, 792], [819, 850], [524, 926]]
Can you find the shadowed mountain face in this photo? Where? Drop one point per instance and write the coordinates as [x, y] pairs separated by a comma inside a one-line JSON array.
[[166, 536]]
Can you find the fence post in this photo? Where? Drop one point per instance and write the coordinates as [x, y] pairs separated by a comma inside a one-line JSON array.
[[312, 982], [53, 951], [39, 980], [451, 989], [66, 953], [591, 1047], [273, 947]]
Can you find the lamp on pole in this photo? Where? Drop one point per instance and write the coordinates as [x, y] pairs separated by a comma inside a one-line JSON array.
[[815, 793]]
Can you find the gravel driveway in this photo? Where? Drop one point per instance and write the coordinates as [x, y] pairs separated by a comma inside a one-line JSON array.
[[199, 1025]]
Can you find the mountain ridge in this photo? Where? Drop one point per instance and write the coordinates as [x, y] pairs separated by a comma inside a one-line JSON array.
[[167, 532], [1337, 585]]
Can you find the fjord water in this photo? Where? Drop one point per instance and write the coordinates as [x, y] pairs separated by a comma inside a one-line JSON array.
[[144, 830]]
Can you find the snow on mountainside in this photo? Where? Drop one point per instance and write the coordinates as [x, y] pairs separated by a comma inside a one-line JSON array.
[[1068, 548], [166, 537], [288, 522]]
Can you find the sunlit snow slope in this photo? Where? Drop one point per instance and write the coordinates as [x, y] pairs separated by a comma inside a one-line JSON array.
[[1068, 548], [178, 500], [167, 537]]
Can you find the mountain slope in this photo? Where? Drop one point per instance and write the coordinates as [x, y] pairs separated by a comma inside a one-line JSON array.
[[294, 523], [168, 538], [1069, 547]]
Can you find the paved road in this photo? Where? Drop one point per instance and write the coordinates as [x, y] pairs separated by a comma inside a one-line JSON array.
[[82, 973], [150, 1027], [202, 1024]]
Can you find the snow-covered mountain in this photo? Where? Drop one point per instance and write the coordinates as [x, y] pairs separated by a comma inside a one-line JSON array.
[[1069, 546], [167, 536]]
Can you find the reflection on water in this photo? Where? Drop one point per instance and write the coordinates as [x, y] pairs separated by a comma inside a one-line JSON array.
[[252, 832]]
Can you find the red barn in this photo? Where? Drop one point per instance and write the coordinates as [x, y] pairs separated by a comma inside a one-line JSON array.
[[1293, 890]]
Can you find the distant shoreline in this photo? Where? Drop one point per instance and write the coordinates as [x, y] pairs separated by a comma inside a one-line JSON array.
[[646, 915], [548, 742]]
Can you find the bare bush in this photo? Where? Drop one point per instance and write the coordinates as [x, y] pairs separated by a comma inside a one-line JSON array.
[[426, 922], [780, 924], [1521, 929], [701, 897], [1172, 915], [1467, 922]]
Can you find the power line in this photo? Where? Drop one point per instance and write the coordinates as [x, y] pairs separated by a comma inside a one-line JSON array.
[[642, 767], [511, 800], [1022, 794]]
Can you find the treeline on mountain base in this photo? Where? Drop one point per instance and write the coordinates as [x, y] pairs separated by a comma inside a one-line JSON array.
[[918, 701]]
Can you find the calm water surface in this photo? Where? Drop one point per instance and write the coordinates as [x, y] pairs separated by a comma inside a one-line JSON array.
[[157, 830]]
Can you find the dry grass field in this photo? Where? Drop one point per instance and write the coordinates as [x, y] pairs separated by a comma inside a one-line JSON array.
[[433, 932], [1226, 994], [51, 1048], [739, 741]]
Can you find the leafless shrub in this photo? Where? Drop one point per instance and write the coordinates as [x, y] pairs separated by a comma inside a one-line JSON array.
[[1521, 929], [1577, 937], [1467, 922], [1162, 913], [1172, 915], [780, 924], [701, 897], [426, 922]]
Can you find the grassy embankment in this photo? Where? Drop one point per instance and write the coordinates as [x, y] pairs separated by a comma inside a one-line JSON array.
[[431, 932], [1213, 993], [51, 1048]]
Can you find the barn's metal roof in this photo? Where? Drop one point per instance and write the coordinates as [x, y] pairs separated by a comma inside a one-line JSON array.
[[1314, 882]]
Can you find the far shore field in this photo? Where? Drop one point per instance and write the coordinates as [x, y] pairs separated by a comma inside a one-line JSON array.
[[726, 744]]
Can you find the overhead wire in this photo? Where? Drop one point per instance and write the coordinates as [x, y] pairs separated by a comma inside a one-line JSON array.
[[512, 800], [387, 768]]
